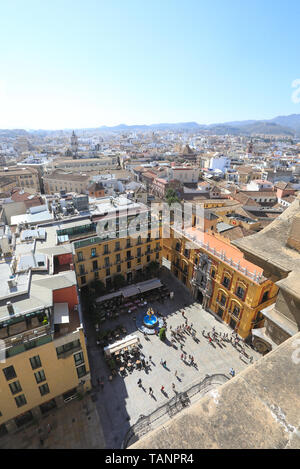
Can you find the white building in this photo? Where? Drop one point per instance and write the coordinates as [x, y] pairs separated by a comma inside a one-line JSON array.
[[260, 185], [220, 162]]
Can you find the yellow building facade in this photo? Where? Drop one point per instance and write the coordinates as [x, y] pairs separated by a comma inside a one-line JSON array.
[[220, 278], [97, 259], [40, 379]]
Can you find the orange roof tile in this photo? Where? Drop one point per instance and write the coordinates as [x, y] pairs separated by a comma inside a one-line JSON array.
[[219, 245]]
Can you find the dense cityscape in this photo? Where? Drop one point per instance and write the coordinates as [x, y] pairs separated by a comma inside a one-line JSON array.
[[100, 304], [149, 229]]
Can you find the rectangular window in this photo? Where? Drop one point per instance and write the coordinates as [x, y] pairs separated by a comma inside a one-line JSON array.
[[128, 265], [44, 389], [139, 252], [138, 260], [148, 258], [96, 275], [67, 347], [40, 376], [223, 300], [15, 387], [81, 371], [20, 400], [81, 269], [157, 255], [118, 258], [240, 292], [226, 282], [118, 268], [93, 252], [78, 358], [80, 256], [95, 265], [23, 419], [106, 261], [105, 249], [107, 272], [117, 246], [83, 280], [9, 373]]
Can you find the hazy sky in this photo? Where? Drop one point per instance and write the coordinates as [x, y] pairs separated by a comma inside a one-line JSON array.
[[86, 63]]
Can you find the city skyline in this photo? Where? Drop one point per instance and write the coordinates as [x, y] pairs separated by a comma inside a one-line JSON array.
[[75, 65]]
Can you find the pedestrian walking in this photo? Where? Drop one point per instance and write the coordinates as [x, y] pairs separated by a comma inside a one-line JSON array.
[[150, 391], [182, 312], [150, 358], [139, 382], [162, 389], [175, 373], [165, 364], [173, 387], [182, 356]]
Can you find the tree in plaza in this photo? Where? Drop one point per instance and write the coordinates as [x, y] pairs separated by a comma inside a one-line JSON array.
[[153, 268], [98, 287], [119, 281], [171, 197], [162, 334]]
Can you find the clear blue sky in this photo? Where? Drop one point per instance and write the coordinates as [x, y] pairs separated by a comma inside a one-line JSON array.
[[86, 63]]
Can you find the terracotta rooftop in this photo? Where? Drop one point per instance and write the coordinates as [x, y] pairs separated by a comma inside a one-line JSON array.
[[222, 247]]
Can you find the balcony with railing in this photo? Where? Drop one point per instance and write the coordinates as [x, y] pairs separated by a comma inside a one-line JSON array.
[[26, 340]]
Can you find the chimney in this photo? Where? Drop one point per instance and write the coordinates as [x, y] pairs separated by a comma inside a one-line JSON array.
[[10, 308]]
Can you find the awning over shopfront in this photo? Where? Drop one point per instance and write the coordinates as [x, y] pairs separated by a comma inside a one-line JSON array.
[[131, 290], [109, 296], [128, 341], [149, 285]]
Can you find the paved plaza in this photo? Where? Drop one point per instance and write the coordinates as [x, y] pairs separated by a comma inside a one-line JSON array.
[[103, 417], [122, 401]]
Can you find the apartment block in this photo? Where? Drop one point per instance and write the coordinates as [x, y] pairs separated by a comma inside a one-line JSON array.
[[44, 361]]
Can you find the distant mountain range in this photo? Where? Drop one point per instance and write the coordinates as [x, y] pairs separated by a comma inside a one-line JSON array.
[[282, 125]]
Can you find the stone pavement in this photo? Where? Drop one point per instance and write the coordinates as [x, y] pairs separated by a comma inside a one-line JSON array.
[[74, 426], [101, 419], [122, 401]]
